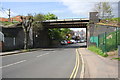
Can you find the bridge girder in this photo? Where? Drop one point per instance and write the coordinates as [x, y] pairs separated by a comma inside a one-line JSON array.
[[66, 23]]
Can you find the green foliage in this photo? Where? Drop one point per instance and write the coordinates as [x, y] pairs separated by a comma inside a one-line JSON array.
[[111, 43], [6, 23], [37, 26], [97, 51], [50, 16], [113, 19], [116, 59], [58, 34], [54, 34], [39, 17]]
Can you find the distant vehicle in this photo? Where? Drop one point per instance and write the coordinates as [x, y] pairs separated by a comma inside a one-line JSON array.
[[73, 41], [69, 42], [82, 41], [78, 41], [64, 42]]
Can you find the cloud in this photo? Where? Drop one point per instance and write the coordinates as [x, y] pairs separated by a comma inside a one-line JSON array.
[[83, 8], [79, 8]]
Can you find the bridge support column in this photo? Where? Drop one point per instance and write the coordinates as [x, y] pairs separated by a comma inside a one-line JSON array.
[[93, 19], [41, 39]]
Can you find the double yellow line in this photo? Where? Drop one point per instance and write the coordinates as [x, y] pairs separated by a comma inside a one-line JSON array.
[[76, 67]]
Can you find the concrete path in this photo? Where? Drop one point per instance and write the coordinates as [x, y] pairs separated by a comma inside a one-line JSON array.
[[97, 66]]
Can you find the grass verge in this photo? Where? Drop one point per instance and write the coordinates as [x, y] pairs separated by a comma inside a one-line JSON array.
[[97, 51], [116, 59]]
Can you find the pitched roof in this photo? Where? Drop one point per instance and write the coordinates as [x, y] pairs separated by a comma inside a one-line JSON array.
[[16, 18], [3, 19]]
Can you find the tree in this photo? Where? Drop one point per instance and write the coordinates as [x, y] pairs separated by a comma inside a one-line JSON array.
[[50, 16], [26, 24], [37, 22], [39, 17], [56, 33], [104, 10], [53, 33]]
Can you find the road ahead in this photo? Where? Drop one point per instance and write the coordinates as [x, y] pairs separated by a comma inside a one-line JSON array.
[[44, 63], [62, 62]]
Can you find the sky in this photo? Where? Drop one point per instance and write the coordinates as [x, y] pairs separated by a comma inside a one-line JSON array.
[[63, 9]]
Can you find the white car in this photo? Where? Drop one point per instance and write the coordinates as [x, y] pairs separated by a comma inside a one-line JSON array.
[[73, 41], [82, 41]]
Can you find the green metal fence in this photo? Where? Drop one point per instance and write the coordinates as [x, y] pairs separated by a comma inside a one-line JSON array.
[[107, 41]]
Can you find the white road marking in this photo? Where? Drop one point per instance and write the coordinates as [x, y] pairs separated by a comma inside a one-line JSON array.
[[13, 64], [42, 54]]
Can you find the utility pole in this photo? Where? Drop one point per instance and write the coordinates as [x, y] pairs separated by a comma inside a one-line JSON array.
[[9, 15]]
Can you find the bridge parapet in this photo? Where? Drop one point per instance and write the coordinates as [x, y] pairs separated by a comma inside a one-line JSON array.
[[66, 23]]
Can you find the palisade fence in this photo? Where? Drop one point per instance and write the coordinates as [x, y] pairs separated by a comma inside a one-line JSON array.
[[107, 41]]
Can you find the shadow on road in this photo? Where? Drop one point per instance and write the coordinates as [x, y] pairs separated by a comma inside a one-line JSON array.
[[80, 45]]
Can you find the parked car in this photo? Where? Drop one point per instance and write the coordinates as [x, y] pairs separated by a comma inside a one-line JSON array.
[[82, 41], [73, 41], [78, 41], [69, 42], [64, 42]]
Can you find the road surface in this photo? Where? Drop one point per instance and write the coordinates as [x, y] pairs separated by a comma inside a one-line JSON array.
[[62, 62], [44, 63]]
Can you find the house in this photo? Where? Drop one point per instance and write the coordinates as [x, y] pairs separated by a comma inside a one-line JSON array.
[[12, 19], [16, 18], [3, 19]]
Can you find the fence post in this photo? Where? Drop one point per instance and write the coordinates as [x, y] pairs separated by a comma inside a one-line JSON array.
[[105, 41], [98, 40], [118, 50], [116, 38]]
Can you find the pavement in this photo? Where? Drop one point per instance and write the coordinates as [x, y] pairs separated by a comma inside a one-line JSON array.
[[97, 66], [15, 52]]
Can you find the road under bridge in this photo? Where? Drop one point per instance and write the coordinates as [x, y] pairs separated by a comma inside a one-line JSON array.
[[66, 23]]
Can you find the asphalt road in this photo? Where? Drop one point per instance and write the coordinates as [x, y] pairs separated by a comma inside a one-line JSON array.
[[44, 63]]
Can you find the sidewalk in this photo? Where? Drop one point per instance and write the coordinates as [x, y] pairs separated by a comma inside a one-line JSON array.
[[97, 66], [15, 52]]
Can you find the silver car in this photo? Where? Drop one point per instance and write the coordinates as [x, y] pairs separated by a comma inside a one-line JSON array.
[[64, 42]]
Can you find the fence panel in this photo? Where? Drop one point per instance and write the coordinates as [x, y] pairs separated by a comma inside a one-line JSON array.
[[102, 41], [94, 39], [109, 41]]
